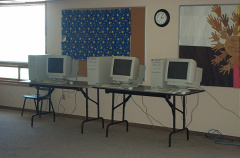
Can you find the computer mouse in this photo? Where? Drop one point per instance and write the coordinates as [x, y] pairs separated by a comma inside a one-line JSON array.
[[184, 91], [130, 88]]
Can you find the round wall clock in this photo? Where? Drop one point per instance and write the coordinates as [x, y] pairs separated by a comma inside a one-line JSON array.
[[162, 17]]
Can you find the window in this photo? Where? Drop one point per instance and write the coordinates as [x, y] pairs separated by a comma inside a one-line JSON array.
[[22, 33]]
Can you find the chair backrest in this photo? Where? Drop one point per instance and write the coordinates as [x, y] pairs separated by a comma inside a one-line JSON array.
[[49, 91], [44, 88]]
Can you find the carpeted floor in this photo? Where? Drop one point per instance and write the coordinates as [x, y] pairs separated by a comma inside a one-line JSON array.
[[63, 139]]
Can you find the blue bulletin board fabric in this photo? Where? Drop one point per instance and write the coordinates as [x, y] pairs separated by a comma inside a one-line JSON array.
[[87, 33]]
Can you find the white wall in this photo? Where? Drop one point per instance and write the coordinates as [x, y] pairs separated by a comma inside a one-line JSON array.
[[160, 43]]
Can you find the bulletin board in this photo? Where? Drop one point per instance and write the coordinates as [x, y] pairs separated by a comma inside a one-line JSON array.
[[210, 34], [103, 32]]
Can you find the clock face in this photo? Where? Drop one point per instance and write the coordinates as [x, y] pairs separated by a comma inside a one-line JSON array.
[[162, 18]]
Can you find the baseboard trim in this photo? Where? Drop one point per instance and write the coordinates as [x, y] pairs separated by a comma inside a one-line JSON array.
[[130, 124]]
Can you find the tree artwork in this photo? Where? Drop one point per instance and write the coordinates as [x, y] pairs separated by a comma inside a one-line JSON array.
[[225, 39]]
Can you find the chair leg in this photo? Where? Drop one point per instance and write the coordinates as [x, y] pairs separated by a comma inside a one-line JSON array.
[[37, 108], [23, 106], [41, 109], [50, 104], [35, 105]]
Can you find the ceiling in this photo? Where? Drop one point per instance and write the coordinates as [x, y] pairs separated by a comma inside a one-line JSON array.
[[22, 1]]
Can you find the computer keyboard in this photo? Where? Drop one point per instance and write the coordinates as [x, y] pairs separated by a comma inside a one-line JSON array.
[[166, 90], [54, 81], [115, 86], [119, 86]]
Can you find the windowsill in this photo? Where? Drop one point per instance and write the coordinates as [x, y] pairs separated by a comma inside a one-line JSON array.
[[13, 83]]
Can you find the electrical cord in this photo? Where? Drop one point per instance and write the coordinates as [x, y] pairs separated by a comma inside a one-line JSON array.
[[193, 110], [143, 111], [220, 140], [59, 103], [151, 115], [75, 99], [116, 97], [222, 105], [75, 102], [68, 94], [148, 115]]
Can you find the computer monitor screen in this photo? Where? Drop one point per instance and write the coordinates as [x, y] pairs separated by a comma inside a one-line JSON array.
[[177, 70], [61, 67], [55, 65], [180, 72], [124, 69]]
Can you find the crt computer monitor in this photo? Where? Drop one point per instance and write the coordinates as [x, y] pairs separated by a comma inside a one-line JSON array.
[[61, 67], [124, 69], [180, 72]]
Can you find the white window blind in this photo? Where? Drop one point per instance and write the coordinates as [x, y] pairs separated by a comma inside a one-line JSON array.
[[22, 31]]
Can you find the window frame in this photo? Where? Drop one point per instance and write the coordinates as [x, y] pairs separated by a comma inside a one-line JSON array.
[[16, 64]]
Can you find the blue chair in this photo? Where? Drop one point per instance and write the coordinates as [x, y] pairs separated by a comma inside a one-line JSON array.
[[42, 97]]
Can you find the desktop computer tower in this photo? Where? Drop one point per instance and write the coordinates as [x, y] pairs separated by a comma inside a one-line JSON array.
[[74, 73], [157, 73], [37, 67], [98, 70]]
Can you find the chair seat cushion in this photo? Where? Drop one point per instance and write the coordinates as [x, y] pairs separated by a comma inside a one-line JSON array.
[[34, 96]]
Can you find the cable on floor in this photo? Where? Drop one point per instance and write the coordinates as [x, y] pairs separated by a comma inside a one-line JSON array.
[[220, 140]]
